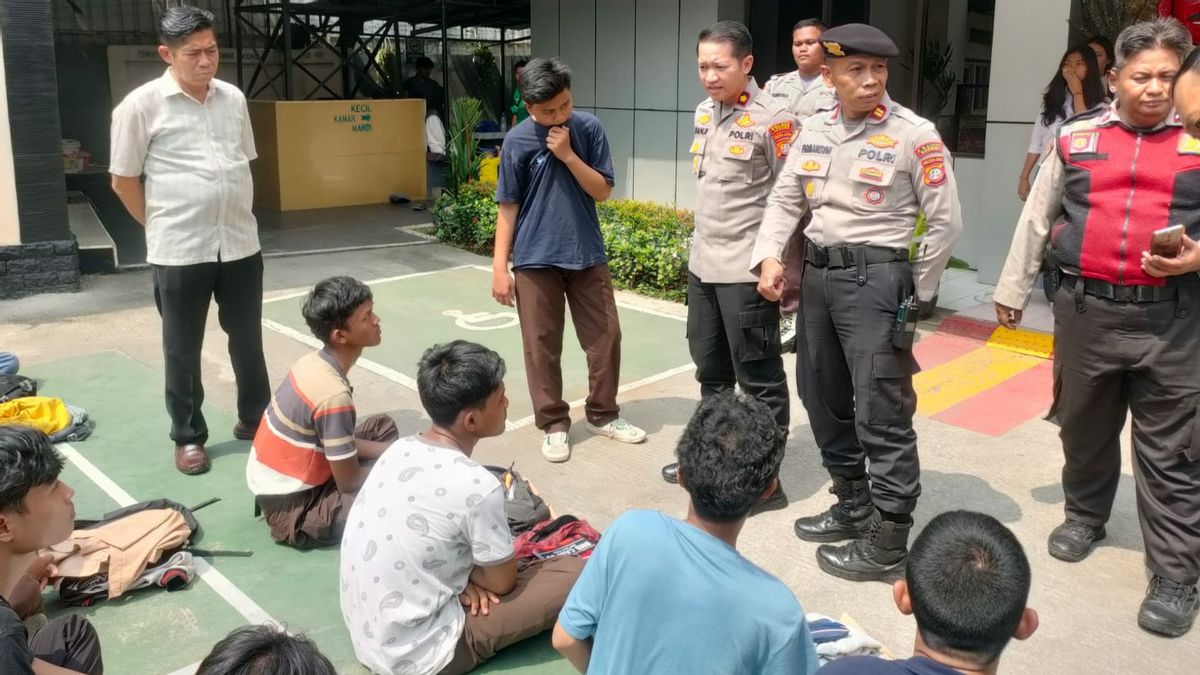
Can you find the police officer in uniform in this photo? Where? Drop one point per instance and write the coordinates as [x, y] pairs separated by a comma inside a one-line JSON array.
[[864, 169], [741, 140], [804, 92], [1126, 322]]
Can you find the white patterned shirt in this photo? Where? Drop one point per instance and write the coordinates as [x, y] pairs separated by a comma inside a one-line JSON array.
[[424, 518], [196, 159]]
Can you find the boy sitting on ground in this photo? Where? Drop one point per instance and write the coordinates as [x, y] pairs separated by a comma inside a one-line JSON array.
[[36, 511], [309, 457], [428, 536], [265, 650], [661, 595], [967, 582]]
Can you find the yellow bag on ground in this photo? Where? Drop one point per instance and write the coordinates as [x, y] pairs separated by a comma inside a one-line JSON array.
[[43, 413]]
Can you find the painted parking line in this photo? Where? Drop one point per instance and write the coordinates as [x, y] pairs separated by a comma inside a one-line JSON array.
[[233, 595], [413, 275], [397, 377]]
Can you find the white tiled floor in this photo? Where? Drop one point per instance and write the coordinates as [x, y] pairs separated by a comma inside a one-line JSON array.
[[962, 294]]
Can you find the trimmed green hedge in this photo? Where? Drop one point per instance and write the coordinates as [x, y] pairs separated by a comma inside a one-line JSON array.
[[647, 243]]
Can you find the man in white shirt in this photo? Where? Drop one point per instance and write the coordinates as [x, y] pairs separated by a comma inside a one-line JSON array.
[[429, 583], [189, 135]]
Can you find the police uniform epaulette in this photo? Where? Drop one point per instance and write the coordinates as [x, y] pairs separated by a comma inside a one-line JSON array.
[[1088, 119], [773, 106]]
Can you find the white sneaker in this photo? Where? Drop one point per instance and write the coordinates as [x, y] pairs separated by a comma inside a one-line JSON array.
[[619, 430], [787, 331], [556, 446]]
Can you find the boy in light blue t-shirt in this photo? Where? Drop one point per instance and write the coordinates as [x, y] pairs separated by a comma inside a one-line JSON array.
[[661, 595]]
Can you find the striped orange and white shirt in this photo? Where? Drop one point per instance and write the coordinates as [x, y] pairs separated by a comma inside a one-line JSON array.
[[309, 422]]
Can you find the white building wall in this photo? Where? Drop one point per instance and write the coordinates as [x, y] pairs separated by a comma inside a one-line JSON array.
[[633, 64], [1029, 37], [634, 67], [10, 230]]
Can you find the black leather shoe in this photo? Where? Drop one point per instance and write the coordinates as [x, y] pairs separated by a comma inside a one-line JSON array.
[[670, 473], [876, 557], [1072, 541], [849, 518], [1169, 608]]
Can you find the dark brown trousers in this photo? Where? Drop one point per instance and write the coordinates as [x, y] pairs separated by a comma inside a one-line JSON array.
[[531, 608], [317, 517], [542, 296]]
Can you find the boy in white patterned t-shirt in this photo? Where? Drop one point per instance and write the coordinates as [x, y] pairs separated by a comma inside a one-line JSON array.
[[428, 578]]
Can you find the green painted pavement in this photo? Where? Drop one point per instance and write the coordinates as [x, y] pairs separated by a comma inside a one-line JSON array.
[[158, 632], [419, 311]]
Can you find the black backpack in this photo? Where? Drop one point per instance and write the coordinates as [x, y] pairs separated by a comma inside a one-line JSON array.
[[16, 386], [523, 508]]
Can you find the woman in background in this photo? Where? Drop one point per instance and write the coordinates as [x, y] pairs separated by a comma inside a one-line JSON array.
[[1076, 87]]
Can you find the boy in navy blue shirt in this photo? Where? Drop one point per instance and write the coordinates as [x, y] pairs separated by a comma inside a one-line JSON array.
[[967, 582], [554, 167]]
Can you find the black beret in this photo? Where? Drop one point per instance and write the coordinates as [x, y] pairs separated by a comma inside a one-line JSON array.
[[857, 38]]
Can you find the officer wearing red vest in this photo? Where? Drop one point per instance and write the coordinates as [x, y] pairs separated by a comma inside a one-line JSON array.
[[1126, 323]]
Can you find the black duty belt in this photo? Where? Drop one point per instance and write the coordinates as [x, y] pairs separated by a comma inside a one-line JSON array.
[[849, 256], [1116, 293]]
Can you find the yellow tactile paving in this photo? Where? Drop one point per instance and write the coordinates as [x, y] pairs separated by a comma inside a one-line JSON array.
[[1031, 343], [956, 380]]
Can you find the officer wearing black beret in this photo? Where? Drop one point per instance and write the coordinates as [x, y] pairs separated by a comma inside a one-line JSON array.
[[866, 170]]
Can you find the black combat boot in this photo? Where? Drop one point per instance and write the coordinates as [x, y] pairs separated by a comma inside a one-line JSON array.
[[1169, 608], [849, 518], [872, 558]]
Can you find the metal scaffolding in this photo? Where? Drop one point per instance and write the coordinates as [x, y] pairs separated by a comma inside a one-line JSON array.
[[293, 28]]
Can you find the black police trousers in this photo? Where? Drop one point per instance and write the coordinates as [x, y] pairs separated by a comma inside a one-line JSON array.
[[1116, 358], [856, 387], [733, 336]]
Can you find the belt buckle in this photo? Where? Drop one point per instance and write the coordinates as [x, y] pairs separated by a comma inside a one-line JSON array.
[[1125, 293], [847, 256], [821, 256]]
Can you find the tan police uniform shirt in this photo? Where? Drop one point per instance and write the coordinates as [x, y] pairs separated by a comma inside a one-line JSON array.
[[865, 185], [737, 152], [1024, 261], [803, 99]]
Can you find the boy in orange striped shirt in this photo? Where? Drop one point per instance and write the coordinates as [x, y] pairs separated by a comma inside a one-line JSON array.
[[310, 456]]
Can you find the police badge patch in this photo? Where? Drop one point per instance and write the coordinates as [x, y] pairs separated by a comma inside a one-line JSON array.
[[1083, 142]]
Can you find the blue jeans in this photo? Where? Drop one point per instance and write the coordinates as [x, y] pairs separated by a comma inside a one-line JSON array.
[[9, 363]]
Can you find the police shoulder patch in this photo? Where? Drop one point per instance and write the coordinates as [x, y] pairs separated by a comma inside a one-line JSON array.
[[929, 148], [782, 135], [1082, 142], [934, 174]]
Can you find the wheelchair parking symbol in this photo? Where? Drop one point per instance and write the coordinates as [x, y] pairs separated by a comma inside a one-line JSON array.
[[482, 320]]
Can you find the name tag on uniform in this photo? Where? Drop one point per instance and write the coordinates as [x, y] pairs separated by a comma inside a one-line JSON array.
[[872, 173], [1083, 142]]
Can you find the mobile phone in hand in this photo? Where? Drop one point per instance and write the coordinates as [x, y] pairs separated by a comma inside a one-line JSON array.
[[1167, 242]]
